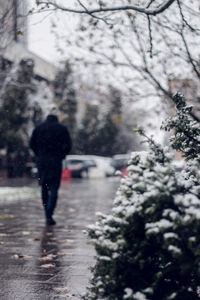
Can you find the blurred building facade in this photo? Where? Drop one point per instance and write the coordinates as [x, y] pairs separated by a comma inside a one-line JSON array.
[[13, 48], [14, 39]]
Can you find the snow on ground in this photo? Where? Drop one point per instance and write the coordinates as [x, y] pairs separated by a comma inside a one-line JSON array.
[[18, 193]]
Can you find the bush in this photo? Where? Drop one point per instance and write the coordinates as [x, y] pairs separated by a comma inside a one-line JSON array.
[[149, 248]]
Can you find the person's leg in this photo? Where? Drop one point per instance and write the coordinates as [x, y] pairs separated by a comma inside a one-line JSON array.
[[54, 184], [45, 196], [53, 195]]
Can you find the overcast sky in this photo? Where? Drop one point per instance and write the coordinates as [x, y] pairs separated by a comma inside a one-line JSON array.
[[40, 39]]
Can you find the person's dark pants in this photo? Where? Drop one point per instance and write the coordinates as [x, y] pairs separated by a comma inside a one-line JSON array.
[[49, 176], [49, 199]]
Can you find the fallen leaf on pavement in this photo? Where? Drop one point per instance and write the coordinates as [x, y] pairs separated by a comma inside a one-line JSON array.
[[25, 232], [7, 216], [47, 257], [66, 295], [72, 210], [48, 266], [16, 256], [49, 233]]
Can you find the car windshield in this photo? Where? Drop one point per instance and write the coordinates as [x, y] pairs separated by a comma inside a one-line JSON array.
[[74, 162], [118, 162]]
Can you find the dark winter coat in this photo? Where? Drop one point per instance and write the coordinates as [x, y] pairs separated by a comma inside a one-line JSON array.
[[51, 142]]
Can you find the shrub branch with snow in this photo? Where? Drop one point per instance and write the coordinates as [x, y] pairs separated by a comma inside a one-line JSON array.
[[149, 247]]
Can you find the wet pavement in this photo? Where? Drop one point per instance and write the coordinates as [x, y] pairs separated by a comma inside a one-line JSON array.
[[40, 262]]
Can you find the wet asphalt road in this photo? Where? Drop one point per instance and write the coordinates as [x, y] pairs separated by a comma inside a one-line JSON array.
[[40, 262]]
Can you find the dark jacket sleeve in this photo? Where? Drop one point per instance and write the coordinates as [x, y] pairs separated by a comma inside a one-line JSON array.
[[67, 143], [33, 143]]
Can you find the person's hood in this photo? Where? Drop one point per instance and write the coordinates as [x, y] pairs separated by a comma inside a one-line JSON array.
[[52, 118]]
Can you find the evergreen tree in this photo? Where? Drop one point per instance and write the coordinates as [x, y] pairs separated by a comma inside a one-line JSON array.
[[87, 135], [65, 97], [107, 135], [99, 131], [15, 110], [149, 247], [110, 124]]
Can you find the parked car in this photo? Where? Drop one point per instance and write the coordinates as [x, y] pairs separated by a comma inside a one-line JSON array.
[[76, 166], [87, 166], [103, 167], [120, 161]]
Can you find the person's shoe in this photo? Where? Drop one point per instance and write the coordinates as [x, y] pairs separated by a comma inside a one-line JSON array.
[[51, 221]]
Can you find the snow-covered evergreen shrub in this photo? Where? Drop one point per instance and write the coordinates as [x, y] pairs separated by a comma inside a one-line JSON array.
[[149, 247], [186, 131]]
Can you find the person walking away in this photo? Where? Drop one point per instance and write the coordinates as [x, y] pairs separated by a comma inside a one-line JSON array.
[[50, 142]]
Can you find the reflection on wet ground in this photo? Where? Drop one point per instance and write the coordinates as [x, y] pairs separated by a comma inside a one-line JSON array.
[[42, 263], [18, 182]]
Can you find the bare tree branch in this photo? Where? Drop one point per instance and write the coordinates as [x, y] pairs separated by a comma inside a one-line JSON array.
[[147, 70], [81, 4], [189, 55], [155, 82], [183, 17], [146, 11], [150, 37], [161, 28], [95, 17], [150, 2]]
